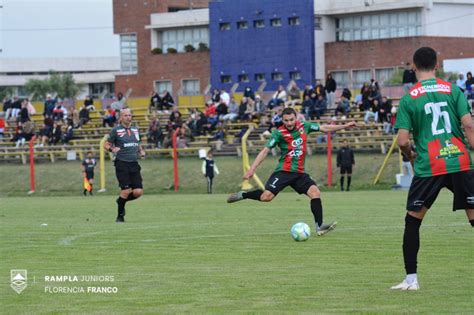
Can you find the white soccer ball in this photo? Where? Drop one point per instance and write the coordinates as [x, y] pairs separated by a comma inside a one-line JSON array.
[[300, 232]]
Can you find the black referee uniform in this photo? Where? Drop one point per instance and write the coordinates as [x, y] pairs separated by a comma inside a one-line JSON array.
[[345, 160], [127, 168]]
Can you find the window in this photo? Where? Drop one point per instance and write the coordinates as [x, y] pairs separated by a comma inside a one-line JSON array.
[[242, 25], [224, 26], [128, 53], [275, 22], [178, 38], [359, 77], [387, 25], [318, 23], [341, 78], [191, 87], [294, 21], [244, 78], [160, 86], [295, 75], [277, 76], [226, 79], [259, 77], [259, 23], [382, 75], [99, 90]]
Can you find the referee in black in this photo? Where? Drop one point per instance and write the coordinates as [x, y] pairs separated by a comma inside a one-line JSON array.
[[345, 160], [124, 142]]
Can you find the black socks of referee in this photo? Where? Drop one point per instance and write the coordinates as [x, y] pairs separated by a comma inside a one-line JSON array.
[[317, 210], [121, 206], [254, 194], [411, 243]]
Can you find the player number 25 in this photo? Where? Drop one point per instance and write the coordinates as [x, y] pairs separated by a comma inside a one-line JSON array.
[[436, 110]]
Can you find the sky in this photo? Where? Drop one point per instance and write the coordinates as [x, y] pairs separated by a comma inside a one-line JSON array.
[[57, 28]]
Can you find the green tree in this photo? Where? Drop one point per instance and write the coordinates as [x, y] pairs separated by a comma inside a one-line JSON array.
[[62, 84], [5, 91]]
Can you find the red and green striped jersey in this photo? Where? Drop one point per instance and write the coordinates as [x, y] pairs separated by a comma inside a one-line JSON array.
[[292, 145], [432, 111]]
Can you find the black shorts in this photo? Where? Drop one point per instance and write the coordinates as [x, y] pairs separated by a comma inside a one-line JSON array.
[[346, 169], [89, 175], [128, 174], [300, 182], [424, 190]]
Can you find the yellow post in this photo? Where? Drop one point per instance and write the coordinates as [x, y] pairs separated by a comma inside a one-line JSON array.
[[246, 185], [387, 157], [102, 164]]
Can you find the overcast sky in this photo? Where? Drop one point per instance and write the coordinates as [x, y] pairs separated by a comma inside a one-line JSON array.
[[57, 28]]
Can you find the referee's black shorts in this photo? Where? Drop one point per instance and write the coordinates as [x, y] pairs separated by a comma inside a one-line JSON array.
[[424, 190], [128, 174]]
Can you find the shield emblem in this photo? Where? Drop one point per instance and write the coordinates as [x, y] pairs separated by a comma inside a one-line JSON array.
[[18, 279]]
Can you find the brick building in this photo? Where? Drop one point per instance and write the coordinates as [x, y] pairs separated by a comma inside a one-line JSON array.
[[140, 32], [356, 40]]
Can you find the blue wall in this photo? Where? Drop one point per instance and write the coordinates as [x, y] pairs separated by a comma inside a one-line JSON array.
[[265, 50]]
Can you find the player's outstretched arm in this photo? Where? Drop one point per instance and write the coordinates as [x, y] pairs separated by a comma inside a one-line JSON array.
[[329, 128], [468, 125], [403, 140], [260, 157]]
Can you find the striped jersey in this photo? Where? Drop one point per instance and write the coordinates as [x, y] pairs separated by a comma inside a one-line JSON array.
[[292, 145], [432, 111]]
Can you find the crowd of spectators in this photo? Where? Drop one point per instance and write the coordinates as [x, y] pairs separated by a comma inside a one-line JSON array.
[[61, 120]]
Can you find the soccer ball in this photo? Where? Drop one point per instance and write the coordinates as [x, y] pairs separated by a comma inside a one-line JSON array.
[[300, 232]]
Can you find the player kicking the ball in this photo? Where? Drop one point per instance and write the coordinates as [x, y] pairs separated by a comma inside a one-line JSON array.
[[291, 137]]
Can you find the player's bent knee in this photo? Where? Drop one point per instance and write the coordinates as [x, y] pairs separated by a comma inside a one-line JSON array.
[[138, 193], [125, 192], [313, 192], [267, 196]]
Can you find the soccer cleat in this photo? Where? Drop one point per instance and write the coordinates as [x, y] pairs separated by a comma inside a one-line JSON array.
[[120, 219], [235, 197], [325, 228], [405, 286]]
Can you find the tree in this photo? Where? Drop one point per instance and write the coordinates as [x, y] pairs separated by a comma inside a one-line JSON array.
[[62, 84], [5, 91]]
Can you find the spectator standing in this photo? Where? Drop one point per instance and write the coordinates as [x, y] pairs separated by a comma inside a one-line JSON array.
[[331, 87], [24, 115], [409, 77], [49, 105]]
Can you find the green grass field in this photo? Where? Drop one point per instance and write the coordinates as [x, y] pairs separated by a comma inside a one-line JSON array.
[[197, 254]]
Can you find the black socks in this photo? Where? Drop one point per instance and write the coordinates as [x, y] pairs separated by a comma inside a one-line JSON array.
[[254, 194], [317, 210], [349, 178], [121, 206], [411, 243], [131, 197], [472, 222]]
